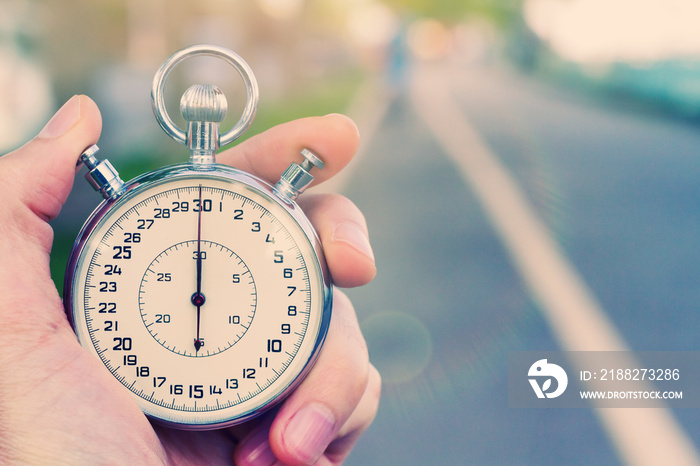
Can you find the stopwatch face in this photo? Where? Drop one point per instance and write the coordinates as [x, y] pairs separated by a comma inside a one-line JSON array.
[[201, 294]]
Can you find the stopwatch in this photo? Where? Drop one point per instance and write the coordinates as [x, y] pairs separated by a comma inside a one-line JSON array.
[[201, 288]]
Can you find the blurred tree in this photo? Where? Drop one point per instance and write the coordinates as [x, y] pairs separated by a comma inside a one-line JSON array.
[[500, 11]]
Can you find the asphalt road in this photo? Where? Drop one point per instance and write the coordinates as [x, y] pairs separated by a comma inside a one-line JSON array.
[[612, 192]]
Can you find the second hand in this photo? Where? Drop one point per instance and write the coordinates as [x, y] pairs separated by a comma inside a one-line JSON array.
[[198, 298]]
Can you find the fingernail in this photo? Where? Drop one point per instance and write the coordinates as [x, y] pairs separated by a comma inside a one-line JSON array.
[[309, 432], [256, 450], [63, 120], [352, 235]]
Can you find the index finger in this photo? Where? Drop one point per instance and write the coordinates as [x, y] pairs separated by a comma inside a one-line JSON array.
[[334, 138]]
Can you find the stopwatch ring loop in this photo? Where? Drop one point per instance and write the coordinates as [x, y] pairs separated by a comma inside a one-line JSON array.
[[158, 91]]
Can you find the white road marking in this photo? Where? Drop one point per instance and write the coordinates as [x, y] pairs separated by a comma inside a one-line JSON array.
[[641, 436]]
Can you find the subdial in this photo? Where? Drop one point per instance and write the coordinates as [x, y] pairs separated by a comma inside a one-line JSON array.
[[171, 312]]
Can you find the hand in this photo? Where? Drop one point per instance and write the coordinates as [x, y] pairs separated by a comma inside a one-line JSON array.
[[58, 404]]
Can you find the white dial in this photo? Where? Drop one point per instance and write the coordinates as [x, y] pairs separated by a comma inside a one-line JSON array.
[[166, 298], [201, 294]]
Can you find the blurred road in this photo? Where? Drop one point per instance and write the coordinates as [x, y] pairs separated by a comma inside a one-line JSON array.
[[585, 238]]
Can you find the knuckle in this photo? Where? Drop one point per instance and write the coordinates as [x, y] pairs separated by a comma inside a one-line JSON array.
[[351, 369], [346, 324], [372, 393], [374, 384]]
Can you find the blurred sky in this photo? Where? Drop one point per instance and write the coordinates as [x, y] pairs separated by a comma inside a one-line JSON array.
[[604, 31]]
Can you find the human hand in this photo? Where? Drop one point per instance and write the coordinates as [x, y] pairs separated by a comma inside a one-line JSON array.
[[58, 404]]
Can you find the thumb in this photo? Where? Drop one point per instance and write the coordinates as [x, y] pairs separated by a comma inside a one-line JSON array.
[[40, 174]]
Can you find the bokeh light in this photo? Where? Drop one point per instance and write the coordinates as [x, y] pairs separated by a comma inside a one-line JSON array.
[[428, 39], [401, 345]]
